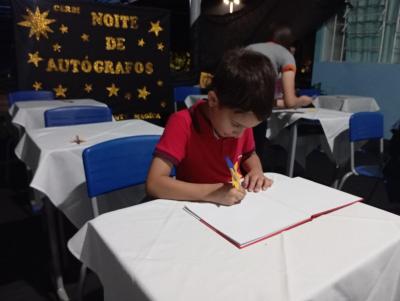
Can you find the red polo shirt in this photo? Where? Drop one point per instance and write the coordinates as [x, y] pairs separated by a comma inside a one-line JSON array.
[[189, 143]]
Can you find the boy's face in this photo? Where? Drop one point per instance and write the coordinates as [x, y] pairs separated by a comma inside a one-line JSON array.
[[226, 121]]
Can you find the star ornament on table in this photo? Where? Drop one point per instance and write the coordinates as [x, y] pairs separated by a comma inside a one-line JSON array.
[[37, 22], [112, 90], [60, 91], [34, 58], [155, 28], [78, 140], [143, 93], [37, 86]]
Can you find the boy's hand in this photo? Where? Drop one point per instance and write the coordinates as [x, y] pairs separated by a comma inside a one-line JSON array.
[[256, 181], [227, 195]]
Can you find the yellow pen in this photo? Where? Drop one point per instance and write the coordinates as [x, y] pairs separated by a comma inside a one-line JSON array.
[[234, 174]]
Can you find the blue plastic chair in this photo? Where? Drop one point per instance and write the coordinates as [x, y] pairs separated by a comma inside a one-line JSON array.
[[117, 164], [181, 92], [365, 126], [29, 95], [114, 165], [70, 115], [309, 92]]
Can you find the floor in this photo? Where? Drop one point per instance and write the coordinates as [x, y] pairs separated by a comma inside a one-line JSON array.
[[24, 254]]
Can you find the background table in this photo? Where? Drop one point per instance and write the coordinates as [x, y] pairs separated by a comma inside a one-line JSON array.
[[334, 141], [346, 103], [157, 251], [30, 114], [56, 162]]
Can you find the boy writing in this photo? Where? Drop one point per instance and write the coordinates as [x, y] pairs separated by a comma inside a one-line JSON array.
[[196, 141]]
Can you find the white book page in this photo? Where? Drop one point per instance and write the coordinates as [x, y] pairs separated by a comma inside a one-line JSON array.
[[313, 198], [257, 216]]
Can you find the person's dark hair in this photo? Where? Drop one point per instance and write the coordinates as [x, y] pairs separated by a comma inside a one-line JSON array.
[[283, 36], [245, 81]]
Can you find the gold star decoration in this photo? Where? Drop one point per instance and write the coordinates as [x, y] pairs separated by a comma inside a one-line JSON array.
[[85, 37], [56, 47], [160, 83], [88, 88], [163, 104], [143, 93], [34, 58], [128, 95], [37, 22], [112, 90], [60, 91], [141, 42], [160, 46], [155, 28], [63, 29], [37, 86]]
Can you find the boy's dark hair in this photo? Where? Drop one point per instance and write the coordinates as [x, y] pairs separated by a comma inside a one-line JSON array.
[[282, 35], [245, 81]]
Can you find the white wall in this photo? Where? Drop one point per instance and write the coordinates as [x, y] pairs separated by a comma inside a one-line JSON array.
[[381, 81]]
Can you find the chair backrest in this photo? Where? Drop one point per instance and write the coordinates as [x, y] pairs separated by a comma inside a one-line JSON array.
[[181, 92], [309, 92], [69, 115], [365, 126], [118, 163], [29, 95]]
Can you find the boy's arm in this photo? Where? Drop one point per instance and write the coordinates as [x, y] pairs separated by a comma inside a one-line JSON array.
[[160, 185], [254, 179]]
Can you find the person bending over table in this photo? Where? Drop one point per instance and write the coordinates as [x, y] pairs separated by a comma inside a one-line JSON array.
[[278, 51], [197, 140]]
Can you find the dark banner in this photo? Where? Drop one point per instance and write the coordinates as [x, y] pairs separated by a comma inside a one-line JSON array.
[[112, 53]]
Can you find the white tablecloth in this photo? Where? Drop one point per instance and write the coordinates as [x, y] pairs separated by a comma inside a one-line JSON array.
[[347, 103], [192, 99], [157, 251], [30, 114], [56, 162], [335, 125]]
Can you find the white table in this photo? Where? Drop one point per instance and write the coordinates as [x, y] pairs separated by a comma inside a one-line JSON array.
[[56, 161], [346, 103], [30, 114], [334, 141], [157, 251]]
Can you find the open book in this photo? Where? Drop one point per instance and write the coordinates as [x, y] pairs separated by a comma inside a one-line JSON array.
[[289, 202]]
